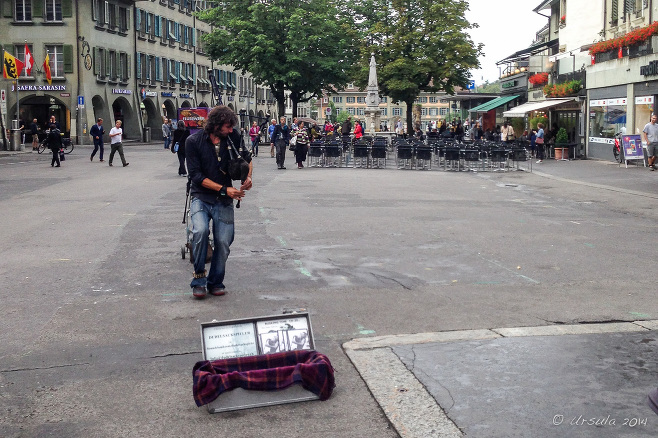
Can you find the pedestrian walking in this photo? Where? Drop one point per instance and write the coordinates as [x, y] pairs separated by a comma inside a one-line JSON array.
[[281, 139], [208, 158], [650, 134], [181, 134], [34, 130], [116, 143], [54, 140], [301, 148], [254, 134], [540, 140], [97, 131], [166, 133], [270, 132]]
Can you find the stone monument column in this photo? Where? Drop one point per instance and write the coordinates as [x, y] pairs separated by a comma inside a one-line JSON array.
[[372, 112]]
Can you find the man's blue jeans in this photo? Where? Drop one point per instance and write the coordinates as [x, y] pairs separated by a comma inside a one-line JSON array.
[[223, 230], [167, 141]]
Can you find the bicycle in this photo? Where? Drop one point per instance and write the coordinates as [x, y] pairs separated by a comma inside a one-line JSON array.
[[616, 149], [67, 145]]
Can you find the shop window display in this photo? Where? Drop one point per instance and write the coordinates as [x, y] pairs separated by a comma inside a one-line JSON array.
[[607, 118]]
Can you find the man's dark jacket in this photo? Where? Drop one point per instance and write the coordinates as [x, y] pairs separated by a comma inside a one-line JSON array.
[[202, 163], [281, 129], [97, 131]]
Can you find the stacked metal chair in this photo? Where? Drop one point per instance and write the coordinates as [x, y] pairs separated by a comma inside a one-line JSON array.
[[422, 155], [361, 150], [404, 154], [379, 151], [499, 157], [315, 156], [333, 153]]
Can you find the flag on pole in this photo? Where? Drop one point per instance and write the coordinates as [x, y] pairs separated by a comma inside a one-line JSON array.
[[29, 61], [46, 69], [11, 67]]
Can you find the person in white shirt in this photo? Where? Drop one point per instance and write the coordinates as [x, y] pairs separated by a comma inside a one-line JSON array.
[[116, 134]]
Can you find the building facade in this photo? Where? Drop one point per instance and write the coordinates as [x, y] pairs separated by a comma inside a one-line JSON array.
[[622, 82], [135, 61]]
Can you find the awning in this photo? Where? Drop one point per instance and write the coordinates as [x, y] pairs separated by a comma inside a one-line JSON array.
[[544, 5], [522, 110], [495, 103], [532, 50]]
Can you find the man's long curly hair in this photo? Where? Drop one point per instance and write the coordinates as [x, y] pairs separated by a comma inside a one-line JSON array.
[[218, 117]]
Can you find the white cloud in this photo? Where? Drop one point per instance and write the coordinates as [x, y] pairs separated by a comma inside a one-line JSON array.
[[506, 26]]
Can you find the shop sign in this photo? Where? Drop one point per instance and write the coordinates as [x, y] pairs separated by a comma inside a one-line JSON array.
[[231, 98], [608, 102], [508, 85], [186, 95], [121, 91], [39, 88], [65, 94], [602, 140], [649, 70], [648, 100], [151, 94], [167, 94]]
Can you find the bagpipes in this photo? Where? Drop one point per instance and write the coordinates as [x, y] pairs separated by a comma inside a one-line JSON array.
[[238, 167]]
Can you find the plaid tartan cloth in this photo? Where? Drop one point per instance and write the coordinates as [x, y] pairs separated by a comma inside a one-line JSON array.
[[266, 372]]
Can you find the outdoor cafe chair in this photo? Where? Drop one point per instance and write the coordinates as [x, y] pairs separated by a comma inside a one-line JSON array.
[[452, 157], [315, 154], [361, 153], [333, 156]]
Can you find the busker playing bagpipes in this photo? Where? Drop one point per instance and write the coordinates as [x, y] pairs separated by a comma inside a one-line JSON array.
[[215, 157]]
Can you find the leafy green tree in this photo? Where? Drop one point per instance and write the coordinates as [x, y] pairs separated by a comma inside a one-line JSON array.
[[419, 45], [300, 46], [488, 87]]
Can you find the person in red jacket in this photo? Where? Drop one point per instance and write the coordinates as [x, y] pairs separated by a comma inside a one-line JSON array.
[[358, 130]]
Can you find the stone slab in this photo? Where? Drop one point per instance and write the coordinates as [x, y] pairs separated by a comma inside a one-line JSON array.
[[406, 403], [543, 386]]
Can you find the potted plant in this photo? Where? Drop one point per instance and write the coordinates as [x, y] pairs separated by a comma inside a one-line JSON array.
[[563, 20], [561, 139], [538, 79]]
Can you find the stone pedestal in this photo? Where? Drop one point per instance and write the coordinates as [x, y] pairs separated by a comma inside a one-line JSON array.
[[373, 120]]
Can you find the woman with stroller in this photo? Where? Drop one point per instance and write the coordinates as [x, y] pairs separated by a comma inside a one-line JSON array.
[[301, 148], [180, 135]]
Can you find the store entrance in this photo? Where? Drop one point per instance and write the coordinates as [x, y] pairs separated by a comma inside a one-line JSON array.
[[569, 121], [42, 108]]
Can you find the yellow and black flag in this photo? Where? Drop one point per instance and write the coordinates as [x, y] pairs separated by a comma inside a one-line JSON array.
[[11, 67]]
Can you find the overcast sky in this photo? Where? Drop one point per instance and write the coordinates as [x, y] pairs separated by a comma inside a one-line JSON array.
[[506, 26]]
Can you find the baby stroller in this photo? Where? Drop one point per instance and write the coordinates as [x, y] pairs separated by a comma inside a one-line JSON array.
[[187, 248]]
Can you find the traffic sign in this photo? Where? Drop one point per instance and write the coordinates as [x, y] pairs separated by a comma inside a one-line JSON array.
[[471, 85], [328, 110], [81, 101], [3, 101]]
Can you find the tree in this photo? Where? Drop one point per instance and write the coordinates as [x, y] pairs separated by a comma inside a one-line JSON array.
[[489, 87], [301, 46], [419, 45]]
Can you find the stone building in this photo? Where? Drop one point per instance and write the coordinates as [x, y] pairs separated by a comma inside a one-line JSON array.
[[135, 61]]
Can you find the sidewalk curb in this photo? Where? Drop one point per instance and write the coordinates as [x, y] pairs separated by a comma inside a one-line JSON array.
[[410, 408], [593, 185]]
